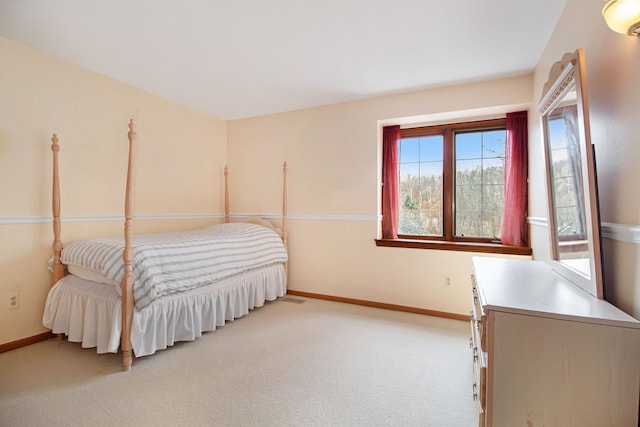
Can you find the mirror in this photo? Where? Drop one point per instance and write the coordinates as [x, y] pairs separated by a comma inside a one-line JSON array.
[[574, 222]]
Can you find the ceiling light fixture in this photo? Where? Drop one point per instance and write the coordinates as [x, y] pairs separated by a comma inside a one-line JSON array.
[[623, 16]]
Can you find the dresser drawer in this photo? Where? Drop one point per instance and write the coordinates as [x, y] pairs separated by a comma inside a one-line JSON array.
[[478, 328], [478, 319], [480, 388], [480, 379]]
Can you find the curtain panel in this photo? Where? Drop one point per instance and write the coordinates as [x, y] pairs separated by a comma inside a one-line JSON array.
[[514, 220], [390, 181]]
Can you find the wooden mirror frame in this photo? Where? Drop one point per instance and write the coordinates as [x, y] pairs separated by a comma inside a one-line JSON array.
[[566, 75]]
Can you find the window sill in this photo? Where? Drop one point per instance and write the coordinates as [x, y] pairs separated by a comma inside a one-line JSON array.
[[492, 248]]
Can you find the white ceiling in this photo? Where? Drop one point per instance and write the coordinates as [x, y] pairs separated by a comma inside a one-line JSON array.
[[242, 58]]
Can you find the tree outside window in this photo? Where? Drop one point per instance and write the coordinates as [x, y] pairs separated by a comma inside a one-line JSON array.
[[452, 181]]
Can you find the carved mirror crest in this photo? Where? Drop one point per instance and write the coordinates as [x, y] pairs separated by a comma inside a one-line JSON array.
[[574, 222]]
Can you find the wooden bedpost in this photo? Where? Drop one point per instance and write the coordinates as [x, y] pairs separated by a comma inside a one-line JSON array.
[[127, 256], [284, 218], [58, 268], [226, 195]]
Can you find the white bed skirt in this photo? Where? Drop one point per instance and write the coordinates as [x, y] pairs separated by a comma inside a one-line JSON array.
[[90, 312]]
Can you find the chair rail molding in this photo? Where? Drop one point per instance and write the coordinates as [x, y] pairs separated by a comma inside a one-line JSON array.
[[33, 219], [629, 233], [623, 232], [538, 221], [26, 219]]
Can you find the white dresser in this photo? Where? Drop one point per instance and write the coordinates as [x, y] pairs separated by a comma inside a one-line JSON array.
[[546, 353]]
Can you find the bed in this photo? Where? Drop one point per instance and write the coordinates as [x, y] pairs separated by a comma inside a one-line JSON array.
[[143, 293]]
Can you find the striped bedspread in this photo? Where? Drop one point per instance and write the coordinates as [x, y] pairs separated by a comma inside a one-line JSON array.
[[167, 263]]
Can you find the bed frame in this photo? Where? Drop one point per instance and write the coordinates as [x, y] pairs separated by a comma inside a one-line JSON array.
[[127, 255]]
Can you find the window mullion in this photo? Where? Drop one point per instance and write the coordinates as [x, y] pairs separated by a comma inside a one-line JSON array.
[[448, 183]]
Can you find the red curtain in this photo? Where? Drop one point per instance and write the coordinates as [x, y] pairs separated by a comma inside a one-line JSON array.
[[390, 181], [514, 221]]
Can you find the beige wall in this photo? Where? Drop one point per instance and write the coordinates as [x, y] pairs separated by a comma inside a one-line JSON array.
[[334, 162], [180, 155], [333, 156], [612, 64]]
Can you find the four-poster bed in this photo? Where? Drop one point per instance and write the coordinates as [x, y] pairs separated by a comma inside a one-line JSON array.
[[144, 293]]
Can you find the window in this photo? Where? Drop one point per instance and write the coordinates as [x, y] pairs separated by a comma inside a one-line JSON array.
[[479, 176], [421, 185], [451, 186]]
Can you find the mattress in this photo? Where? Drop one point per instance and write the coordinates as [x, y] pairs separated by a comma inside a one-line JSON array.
[[91, 313], [167, 263]]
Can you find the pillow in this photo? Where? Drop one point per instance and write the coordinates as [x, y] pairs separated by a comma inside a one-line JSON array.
[[255, 219], [90, 274]]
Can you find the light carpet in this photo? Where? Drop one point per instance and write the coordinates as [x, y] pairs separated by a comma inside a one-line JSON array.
[[294, 362]]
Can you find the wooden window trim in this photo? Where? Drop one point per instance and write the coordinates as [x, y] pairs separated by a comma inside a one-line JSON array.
[[447, 182], [492, 248], [466, 126], [448, 241]]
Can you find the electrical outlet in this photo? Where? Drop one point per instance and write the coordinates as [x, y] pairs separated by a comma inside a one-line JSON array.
[[14, 300], [447, 281]]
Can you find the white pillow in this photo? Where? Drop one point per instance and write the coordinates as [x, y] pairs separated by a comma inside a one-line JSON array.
[[254, 219], [89, 274]]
